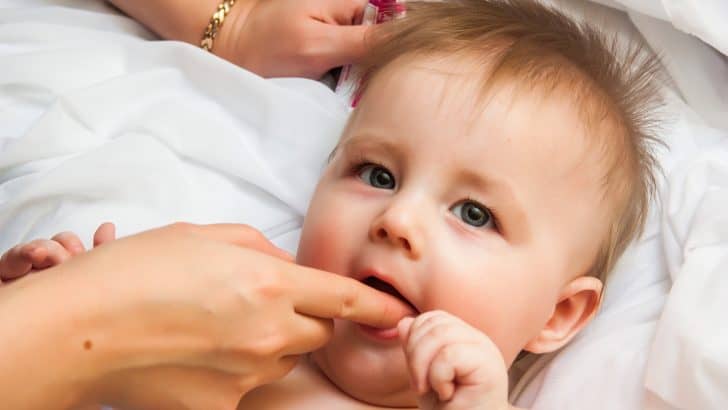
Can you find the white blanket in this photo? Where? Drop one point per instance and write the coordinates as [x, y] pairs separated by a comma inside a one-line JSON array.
[[98, 124]]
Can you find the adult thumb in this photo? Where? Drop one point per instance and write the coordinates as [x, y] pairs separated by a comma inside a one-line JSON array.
[[348, 45]]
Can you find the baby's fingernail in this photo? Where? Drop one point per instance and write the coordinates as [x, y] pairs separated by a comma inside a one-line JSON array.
[[405, 322]]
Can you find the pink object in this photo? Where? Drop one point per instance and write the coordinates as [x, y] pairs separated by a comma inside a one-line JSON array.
[[375, 12]]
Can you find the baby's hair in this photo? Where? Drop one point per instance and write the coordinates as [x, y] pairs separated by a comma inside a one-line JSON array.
[[614, 85]]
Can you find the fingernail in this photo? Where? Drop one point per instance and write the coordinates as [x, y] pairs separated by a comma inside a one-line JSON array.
[[405, 322]]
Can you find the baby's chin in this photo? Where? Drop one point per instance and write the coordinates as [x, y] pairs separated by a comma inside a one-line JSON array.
[[369, 372]]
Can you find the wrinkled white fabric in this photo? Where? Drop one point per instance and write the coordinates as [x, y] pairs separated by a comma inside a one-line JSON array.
[[100, 125], [97, 123], [704, 19]]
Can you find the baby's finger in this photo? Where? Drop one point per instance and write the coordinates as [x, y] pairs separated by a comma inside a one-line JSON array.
[[106, 232], [71, 242], [441, 375], [404, 327], [423, 325], [419, 358], [13, 264], [44, 253]]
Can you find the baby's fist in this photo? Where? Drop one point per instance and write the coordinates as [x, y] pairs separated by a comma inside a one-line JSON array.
[[452, 365]]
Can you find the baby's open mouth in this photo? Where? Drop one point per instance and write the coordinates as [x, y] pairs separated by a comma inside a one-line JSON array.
[[385, 287]]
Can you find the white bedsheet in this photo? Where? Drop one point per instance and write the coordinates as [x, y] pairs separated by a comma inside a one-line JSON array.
[[100, 125], [97, 124]]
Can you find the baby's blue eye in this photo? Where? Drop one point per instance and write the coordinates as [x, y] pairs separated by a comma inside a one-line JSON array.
[[377, 176], [473, 214]]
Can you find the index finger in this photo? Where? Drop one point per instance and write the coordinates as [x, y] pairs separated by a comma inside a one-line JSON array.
[[328, 295], [236, 234]]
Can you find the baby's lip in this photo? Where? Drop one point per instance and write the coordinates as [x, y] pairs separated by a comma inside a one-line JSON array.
[[385, 284]]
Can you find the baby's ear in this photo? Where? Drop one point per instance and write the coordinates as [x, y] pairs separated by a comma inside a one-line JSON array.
[[577, 305]]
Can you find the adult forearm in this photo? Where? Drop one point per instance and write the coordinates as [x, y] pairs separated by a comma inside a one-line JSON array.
[[182, 20], [43, 361]]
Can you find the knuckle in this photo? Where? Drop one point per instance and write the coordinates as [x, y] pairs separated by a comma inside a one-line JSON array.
[[349, 300], [269, 286], [269, 343]]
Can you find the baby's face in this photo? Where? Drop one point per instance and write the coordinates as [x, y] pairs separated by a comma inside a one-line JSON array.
[[484, 214]]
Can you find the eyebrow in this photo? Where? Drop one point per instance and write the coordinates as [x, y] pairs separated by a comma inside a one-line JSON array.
[[362, 141]]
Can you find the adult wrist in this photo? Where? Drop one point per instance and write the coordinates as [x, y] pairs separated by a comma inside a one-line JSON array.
[[43, 363], [226, 43]]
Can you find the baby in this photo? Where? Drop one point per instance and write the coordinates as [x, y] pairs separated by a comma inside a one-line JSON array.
[[495, 168]]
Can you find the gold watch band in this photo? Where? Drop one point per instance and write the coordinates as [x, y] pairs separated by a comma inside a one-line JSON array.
[[208, 37]]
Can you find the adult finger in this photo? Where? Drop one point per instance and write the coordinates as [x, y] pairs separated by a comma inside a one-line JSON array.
[[327, 295], [346, 45], [307, 334], [344, 12], [237, 234], [106, 232], [71, 242]]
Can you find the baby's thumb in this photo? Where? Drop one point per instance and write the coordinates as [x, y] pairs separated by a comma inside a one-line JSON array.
[[403, 327]]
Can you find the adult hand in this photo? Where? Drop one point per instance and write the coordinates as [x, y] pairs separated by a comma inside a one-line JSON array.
[[272, 38], [302, 38], [181, 316]]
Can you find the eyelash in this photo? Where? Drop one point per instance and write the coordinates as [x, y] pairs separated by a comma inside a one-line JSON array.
[[358, 161]]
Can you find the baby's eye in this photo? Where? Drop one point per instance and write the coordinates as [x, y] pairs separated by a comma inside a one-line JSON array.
[[377, 176], [472, 213]]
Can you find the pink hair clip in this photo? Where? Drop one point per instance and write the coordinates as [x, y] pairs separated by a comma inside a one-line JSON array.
[[375, 12]]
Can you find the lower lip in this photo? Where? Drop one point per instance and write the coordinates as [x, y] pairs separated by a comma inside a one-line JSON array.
[[378, 333]]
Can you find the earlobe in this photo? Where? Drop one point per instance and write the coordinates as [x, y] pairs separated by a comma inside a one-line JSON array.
[[578, 303]]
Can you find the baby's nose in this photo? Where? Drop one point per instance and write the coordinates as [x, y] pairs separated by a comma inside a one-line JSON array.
[[404, 242], [397, 229]]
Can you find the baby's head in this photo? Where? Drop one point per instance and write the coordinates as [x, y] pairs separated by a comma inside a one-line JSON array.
[[496, 166]]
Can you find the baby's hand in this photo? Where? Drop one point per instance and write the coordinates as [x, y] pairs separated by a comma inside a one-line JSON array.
[[452, 365], [45, 253]]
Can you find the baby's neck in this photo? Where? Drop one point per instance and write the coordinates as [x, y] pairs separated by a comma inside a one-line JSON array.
[[304, 388]]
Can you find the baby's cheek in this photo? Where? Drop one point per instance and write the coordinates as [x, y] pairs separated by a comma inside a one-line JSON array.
[[323, 246]]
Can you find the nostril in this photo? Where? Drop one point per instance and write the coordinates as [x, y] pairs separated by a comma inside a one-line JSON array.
[[405, 244], [381, 233]]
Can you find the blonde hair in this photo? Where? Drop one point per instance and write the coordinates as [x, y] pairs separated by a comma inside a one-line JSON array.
[[542, 48]]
